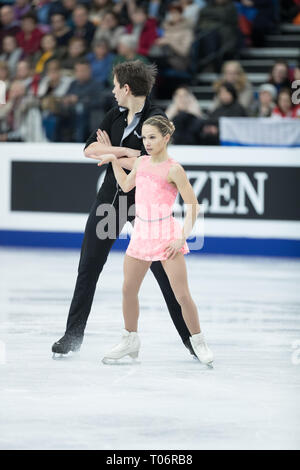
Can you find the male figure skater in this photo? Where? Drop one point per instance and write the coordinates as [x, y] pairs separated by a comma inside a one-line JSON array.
[[120, 134]]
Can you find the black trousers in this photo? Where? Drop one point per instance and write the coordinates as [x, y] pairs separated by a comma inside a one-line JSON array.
[[93, 256]]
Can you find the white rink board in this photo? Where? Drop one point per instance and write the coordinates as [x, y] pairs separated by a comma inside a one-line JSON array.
[[187, 155]]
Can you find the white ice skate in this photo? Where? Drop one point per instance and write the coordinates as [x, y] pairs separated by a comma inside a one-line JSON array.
[[201, 349], [129, 346]]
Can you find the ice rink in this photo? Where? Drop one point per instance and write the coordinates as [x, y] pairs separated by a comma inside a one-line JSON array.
[[249, 311]]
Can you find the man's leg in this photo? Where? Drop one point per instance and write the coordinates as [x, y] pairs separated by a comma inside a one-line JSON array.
[[93, 256], [172, 304]]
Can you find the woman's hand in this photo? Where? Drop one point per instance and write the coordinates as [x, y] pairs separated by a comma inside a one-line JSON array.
[[174, 247], [106, 158]]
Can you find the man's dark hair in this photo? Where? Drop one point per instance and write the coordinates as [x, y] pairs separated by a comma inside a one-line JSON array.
[[58, 13], [53, 61], [82, 62], [113, 13], [230, 88], [81, 6], [30, 15], [142, 7], [140, 77]]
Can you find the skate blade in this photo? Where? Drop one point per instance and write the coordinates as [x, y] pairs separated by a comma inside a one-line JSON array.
[[68, 356], [111, 361], [210, 365]]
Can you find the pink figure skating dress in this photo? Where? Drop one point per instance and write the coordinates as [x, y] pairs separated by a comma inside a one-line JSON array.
[[154, 225]]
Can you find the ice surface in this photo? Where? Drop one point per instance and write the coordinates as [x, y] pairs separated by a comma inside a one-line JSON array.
[[249, 311]]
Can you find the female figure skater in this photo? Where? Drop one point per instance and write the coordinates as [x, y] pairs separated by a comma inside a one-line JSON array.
[[157, 235]]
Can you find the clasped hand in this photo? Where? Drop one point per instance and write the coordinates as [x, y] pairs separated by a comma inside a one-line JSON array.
[[174, 247], [106, 158]]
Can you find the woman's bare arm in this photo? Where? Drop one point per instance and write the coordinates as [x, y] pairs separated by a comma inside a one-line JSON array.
[[179, 177], [126, 162], [127, 182]]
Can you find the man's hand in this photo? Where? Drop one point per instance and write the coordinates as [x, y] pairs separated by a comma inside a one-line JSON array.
[[103, 137], [132, 152]]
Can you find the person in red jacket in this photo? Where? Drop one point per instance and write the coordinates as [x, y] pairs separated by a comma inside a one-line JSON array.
[[285, 106], [144, 28], [29, 38]]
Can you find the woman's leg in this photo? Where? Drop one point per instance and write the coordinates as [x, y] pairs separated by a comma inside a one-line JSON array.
[[134, 273], [177, 274]]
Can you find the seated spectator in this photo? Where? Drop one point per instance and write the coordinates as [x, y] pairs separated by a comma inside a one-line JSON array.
[[83, 28], [76, 51], [83, 95], [183, 100], [290, 11], [143, 28], [110, 30], [98, 9], [48, 52], [21, 8], [233, 72], [261, 19], [185, 112], [217, 28], [285, 107], [228, 107], [63, 7], [263, 107], [51, 89], [172, 49], [127, 50], [101, 60], [11, 53], [30, 36], [20, 119], [191, 10], [280, 75], [60, 30], [54, 83], [68, 9], [42, 9], [24, 74], [9, 25]]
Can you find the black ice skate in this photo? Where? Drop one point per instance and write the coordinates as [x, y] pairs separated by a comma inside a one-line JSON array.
[[65, 345]]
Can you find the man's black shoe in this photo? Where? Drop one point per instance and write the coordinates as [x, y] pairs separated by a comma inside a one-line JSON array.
[[67, 344]]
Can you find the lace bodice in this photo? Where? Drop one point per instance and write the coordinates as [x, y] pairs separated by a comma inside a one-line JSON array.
[[155, 196]]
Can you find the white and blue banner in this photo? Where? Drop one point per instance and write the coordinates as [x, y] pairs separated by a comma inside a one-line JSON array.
[[249, 196], [260, 132]]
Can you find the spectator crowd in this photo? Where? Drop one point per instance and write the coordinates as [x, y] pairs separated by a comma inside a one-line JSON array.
[[57, 57]]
